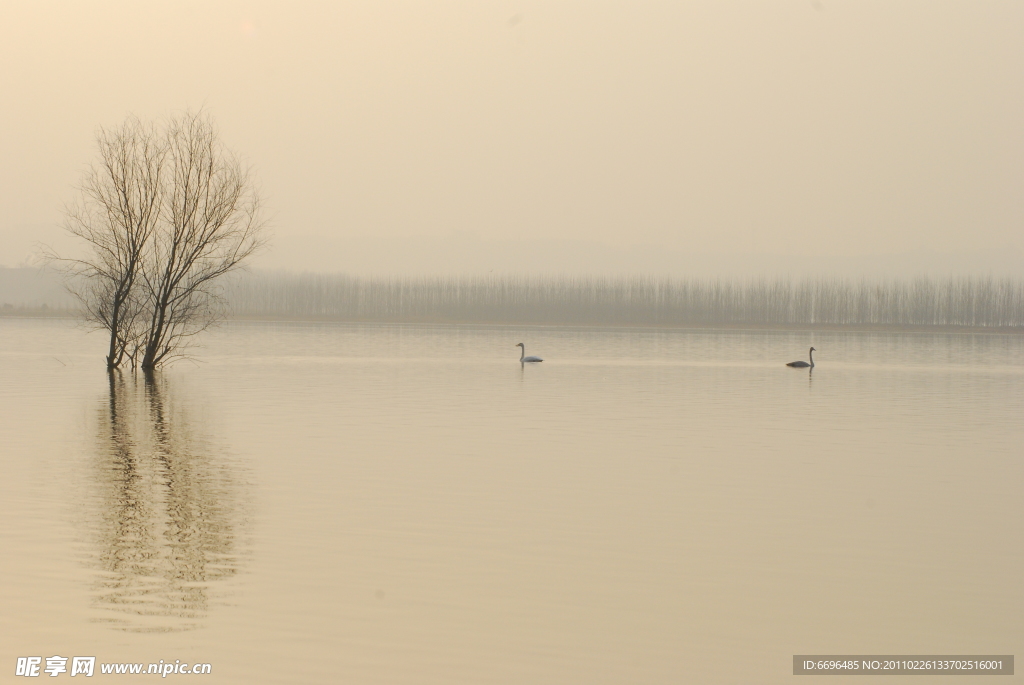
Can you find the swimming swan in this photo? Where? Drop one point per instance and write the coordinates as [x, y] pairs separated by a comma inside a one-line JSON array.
[[524, 358], [804, 365]]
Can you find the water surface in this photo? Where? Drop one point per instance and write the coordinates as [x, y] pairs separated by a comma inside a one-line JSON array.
[[409, 504]]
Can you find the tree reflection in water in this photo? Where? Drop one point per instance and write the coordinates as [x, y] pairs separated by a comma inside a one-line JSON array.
[[169, 520]]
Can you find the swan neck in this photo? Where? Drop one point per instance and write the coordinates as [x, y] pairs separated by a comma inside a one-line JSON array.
[[810, 354], [522, 356]]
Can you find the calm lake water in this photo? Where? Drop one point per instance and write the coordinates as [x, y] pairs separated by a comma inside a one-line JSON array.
[[408, 504]]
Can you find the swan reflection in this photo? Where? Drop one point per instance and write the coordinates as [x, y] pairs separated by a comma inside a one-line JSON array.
[[167, 514]]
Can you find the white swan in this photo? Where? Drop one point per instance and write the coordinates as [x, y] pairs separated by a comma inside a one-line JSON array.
[[802, 364], [524, 358]]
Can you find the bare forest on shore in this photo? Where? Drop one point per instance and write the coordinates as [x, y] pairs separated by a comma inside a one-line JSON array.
[[632, 301], [974, 302]]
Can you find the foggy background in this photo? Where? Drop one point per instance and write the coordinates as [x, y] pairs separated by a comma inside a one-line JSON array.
[[698, 139]]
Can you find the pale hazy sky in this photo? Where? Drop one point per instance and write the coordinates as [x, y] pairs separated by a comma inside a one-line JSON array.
[[808, 130]]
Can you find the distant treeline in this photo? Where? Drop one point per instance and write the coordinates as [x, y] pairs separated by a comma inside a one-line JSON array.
[[30, 291], [639, 301]]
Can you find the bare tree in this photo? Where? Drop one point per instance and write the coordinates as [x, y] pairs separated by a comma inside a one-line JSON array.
[[116, 215], [211, 224], [165, 213]]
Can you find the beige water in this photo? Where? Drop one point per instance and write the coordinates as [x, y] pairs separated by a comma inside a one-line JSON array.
[[389, 504]]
